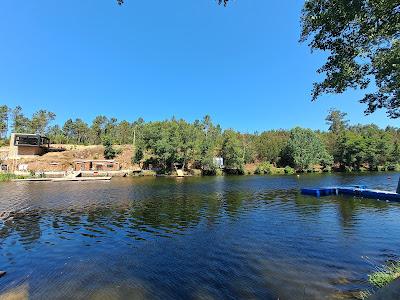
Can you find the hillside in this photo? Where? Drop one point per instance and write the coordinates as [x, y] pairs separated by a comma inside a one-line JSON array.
[[62, 160]]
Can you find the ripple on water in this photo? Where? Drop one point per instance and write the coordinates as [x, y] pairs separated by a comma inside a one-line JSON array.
[[200, 238]]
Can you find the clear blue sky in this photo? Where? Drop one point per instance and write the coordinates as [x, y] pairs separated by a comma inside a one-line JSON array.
[[242, 64]]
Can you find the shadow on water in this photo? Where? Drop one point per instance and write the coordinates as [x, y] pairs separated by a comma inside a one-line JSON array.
[[217, 238]]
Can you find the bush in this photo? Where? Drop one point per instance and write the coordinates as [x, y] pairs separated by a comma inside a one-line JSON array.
[[270, 169], [10, 176], [109, 151], [148, 173], [218, 172], [196, 172], [289, 170]]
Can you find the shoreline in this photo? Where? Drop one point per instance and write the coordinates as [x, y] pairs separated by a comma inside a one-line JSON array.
[[94, 176]]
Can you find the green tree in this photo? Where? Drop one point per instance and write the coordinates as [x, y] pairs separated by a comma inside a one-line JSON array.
[[69, 131], [232, 151], [249, 147], [305, 149], [362, 40], [209, 137], [4, 110], [40, 121], [138, 156], [76, 132], [98, 129], [395, 154], [109, 151], [334, 138], [20, 123], [336, 121], [354, 150], [124, 133], [270, 145], [56, 135]]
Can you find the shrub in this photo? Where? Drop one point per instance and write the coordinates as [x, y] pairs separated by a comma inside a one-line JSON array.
[[109, 151], [289, 170], [264, 168], [10, 176], [270, 169], [196, 172], [148, 173]]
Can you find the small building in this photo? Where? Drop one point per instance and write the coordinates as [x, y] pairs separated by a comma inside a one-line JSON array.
[[218, 162], [96, 165], [27, 145]]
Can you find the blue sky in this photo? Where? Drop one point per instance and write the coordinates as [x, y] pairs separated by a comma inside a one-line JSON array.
[[242, 64]]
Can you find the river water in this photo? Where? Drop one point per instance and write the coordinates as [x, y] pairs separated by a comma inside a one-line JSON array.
[[249, 237]]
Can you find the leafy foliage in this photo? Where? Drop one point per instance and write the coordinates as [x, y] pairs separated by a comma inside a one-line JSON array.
[[40, 121], [232, 151], [270, 145], [362, 38], [305, 149], [3, 120], [109, 151], [196, 145]]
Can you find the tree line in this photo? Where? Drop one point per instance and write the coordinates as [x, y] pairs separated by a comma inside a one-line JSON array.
[[195, 145]]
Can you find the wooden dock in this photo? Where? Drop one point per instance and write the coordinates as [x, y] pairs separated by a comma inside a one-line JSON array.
[[99, 178]]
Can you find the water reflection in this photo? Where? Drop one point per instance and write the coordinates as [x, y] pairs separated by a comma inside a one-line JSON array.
[[251, 237]]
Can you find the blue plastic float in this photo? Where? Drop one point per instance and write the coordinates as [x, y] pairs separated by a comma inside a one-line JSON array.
[[355, 190]]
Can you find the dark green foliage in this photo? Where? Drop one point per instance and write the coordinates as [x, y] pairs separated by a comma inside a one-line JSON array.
[[395, 155], [232, 151], [362, 39], [20, 123], [4, 110], [76, 132], [109, 151], [270, 145], [40, 121], [98, 129], [56, 135], [195, 145], [336, 121], [138, 156], [305, 149]]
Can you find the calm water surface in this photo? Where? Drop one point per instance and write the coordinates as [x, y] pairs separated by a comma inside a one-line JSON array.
[[194, 238]]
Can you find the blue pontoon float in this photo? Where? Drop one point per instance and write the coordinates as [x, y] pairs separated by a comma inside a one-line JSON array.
[[354, 190]]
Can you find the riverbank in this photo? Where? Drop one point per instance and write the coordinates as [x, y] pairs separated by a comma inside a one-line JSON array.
[[6, 177], [67, 156]]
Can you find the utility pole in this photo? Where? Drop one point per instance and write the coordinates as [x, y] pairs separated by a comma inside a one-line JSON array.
[[134, 137]]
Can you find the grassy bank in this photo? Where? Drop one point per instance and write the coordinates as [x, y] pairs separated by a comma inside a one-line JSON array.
[[382, 277], [9, 176], [385, 274]]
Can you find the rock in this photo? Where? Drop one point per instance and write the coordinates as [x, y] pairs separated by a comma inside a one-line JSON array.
[[18, 293]]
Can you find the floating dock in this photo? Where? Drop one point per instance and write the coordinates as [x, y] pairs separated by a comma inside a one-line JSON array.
[[356, 190], [103, 178]]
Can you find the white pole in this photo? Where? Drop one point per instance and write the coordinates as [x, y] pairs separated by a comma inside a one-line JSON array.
[[398, 187]]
